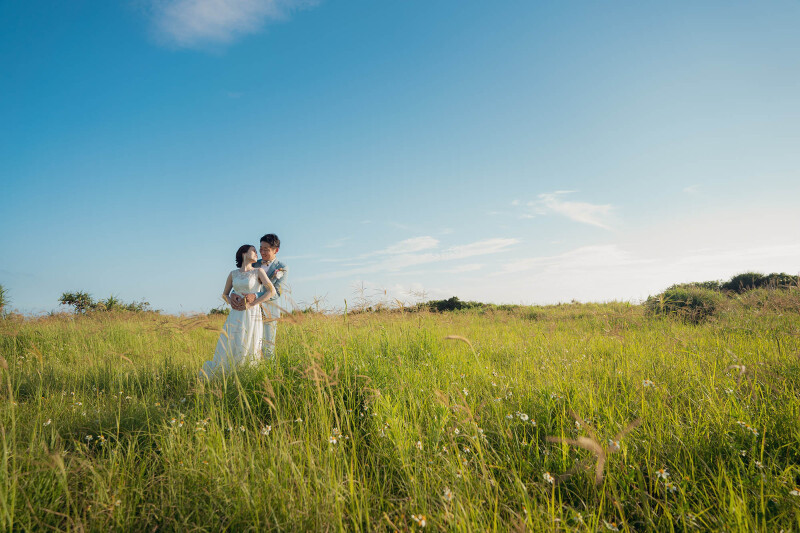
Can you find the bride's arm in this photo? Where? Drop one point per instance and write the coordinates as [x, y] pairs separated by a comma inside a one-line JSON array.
[[262, 277], [227, 290]]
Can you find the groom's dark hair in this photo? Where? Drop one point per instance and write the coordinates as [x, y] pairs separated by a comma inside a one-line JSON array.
[[272, 240], [240, 254]]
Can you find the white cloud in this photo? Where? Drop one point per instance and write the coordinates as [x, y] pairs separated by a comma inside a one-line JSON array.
[[586, 258], [192, 23], [584, 212], [414, 244], [392, 261], [691, 189]]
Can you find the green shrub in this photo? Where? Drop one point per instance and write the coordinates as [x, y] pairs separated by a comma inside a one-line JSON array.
[[708, 285], [221, 310], [691, 303], [83, 302], [451, 304], [744, 282], [780, 281]]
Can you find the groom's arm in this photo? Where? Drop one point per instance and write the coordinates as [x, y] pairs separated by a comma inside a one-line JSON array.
[[278, 277]]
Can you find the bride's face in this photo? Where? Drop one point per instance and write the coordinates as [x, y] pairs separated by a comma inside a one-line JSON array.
[[250, 256]]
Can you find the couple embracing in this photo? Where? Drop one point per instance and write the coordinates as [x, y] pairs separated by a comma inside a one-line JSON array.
[[252, 290]]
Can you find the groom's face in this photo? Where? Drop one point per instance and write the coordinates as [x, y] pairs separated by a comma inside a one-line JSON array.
[[268, 253]]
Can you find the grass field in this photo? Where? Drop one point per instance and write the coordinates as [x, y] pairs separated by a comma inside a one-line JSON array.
[[567, 418]]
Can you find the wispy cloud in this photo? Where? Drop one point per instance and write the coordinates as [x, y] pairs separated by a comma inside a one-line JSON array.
[[691, 189], [390, 259], [193, 23], [460, 269], [586, 258], [414, 244], [584, 212], [337, 243]]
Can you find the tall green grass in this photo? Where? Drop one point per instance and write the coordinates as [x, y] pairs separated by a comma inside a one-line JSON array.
[[380, 422]]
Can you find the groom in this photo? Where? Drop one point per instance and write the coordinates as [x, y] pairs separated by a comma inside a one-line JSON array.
[[276, 272]]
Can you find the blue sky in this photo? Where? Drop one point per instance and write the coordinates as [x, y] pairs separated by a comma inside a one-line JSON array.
[[518, 152]]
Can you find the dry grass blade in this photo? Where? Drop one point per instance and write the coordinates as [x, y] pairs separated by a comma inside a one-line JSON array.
[[465, 340], [460, 338], [37, 353], [593, 445], [124, 358], [442, 397], [583, 424], [3, 362], [269, 402], [627, 429]]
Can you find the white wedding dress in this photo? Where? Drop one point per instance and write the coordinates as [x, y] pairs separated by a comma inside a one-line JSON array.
[[241, 339]]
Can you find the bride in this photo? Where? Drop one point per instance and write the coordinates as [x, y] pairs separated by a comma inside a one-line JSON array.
[[241, 337]]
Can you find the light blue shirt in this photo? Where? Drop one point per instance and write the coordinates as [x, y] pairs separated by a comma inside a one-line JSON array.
[[276, 272]]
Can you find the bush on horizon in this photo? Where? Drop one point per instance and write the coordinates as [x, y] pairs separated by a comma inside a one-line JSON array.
[[82, 302], [690, 303]]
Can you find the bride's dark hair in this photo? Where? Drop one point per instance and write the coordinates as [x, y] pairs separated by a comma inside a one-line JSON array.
[[240, 254]]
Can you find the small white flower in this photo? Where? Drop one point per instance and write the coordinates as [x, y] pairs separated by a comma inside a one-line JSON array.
[[509, 416], [613, 445], [549, 478], [241, 429], [265, 430], [457, 431], [759, 465], [465, 391], [88, 438], [662, 473], [611, 526], [48, 422], [523, 417], [448, 494], [648, 383], [418, 445], [420, 520], [795, 492], [333, 440], [670, 486]]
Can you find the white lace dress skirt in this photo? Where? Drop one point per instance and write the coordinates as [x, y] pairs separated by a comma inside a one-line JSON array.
[[240, 342]]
